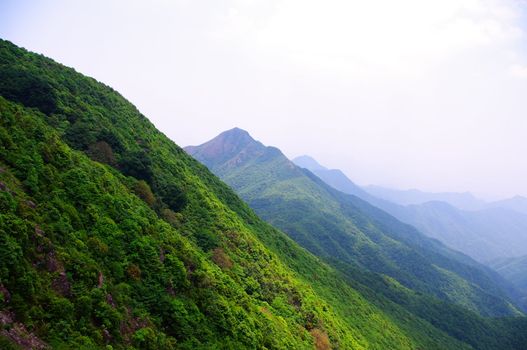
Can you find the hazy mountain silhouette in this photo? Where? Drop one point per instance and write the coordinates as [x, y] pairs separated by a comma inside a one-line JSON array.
[[492, 231], [465, 201]]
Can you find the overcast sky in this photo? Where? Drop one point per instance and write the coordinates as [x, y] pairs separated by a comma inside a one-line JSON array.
[[409, 94]]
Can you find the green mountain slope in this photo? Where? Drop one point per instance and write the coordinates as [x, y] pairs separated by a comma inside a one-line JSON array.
[[332, 224], [265, 172], [480, 234], [111, 235]]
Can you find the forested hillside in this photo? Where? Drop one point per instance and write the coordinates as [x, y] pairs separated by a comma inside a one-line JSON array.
[[112, 235]]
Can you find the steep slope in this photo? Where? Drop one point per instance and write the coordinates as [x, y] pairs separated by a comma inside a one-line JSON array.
[[112, 235], [334, 225], [483, 234]]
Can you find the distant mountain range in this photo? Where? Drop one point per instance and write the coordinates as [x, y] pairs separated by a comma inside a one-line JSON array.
[[333, 177], [464, 201], [484, 231], [517, 203]]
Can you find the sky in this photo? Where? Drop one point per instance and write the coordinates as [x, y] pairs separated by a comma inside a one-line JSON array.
[[407, 94]]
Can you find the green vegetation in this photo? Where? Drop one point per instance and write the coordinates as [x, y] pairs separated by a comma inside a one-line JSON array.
[[86, 262], [113, 237], [504, 226], [391, 264], [334, 225]]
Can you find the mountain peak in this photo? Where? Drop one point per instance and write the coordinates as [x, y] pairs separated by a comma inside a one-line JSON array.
[[235, 144], [308, 162], [237, 132], [234, 136]]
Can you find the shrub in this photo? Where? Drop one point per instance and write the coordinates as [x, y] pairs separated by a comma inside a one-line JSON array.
[[143, 191]]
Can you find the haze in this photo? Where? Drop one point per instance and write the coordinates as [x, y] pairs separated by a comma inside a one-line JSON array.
[[408, 94]]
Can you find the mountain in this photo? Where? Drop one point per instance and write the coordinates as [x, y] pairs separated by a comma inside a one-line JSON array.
[[111, 236], [495, 235], [464, 201], [333, 177], [308, 163], [485, 234], [516, 203], [493, 231], [332, 224], [366, 244]]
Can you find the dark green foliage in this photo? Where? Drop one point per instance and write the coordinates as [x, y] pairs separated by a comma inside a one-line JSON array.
[[143, 191], [31, 90], [173, 196], [137, 164], [102, 152]]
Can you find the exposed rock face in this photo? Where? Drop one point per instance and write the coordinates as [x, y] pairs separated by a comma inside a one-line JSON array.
[[18, 334]]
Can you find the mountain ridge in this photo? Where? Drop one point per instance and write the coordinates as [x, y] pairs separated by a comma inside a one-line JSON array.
[[250, 184], [474, 232], [270, 186], [463, 200]]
